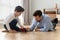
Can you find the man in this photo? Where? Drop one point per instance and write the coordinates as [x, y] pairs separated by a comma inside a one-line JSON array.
[[42, 22], [12, 20]]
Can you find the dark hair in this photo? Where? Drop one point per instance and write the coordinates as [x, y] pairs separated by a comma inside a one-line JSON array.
[[37, 13], [19, 9]]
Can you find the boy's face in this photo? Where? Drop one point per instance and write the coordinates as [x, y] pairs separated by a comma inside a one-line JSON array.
[[38, 18], [18, 13]]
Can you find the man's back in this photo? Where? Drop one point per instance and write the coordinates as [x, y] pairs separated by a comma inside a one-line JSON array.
[[45, 24]]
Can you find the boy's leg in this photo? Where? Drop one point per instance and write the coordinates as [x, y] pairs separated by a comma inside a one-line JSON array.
[[16, 28], [13, 26], [54, 22], [5, 28]]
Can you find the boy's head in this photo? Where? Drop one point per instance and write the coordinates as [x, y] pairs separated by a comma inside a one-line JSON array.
[[38, 15], [18, 10]]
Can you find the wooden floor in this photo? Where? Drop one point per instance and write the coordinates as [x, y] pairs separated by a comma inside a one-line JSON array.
[[31, 35]]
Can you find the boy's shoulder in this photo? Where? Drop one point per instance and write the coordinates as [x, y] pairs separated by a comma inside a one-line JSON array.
[[10, 15]]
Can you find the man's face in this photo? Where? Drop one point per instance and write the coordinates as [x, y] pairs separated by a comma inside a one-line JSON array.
[[18, 13], [38, 18]]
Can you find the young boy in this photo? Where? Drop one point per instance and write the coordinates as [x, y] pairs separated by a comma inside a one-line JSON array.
[[12, 20], [42, 22]]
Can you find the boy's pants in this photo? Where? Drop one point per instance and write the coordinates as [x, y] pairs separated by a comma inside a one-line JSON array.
[[13, 26]]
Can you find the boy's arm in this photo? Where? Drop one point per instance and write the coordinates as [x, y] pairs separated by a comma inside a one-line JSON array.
[[19, 23], [8, 27]]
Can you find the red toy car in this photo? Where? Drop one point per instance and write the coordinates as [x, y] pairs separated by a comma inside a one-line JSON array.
[[23, 29]]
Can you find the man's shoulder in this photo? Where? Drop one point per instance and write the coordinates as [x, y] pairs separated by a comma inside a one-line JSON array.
[[34, 21], [46, 17]]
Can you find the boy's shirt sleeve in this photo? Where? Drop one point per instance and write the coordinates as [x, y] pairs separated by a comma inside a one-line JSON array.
[[19, 22]]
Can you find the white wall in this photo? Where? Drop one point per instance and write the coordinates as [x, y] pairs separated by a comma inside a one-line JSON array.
[[41, 4], [7, 7]]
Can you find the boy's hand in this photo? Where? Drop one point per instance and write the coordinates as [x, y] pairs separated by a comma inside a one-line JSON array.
[[21, 26]]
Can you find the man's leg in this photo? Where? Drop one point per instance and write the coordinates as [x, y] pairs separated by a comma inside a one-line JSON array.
[[54, 22]]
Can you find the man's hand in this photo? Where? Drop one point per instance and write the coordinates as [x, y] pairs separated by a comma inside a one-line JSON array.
[[37, 29], [28, 29]]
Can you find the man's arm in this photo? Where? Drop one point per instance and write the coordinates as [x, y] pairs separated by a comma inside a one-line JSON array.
[[47, 25], [33, 25]]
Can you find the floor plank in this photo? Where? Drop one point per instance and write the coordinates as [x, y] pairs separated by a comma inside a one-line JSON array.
[[31, 35]]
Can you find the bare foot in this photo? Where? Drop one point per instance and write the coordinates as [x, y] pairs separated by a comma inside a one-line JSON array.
[[5, 31], [12, 31]]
